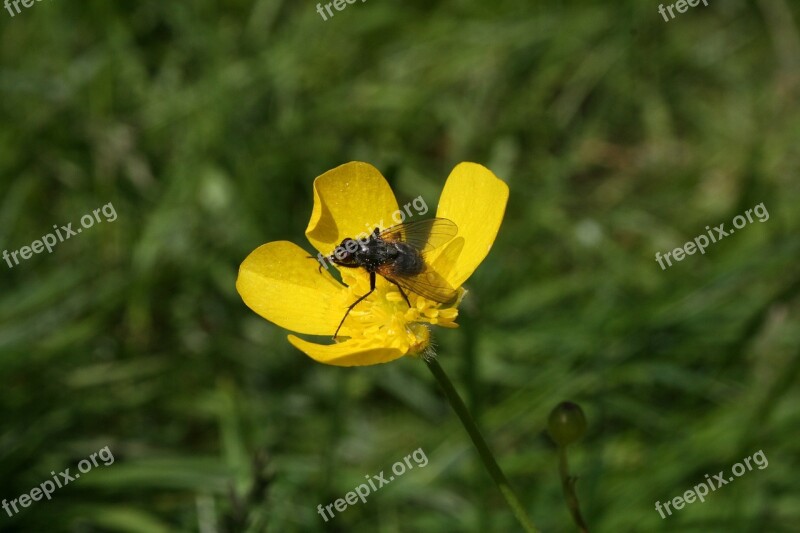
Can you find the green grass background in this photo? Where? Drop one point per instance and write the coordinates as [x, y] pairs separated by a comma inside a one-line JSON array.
[[205, 123]]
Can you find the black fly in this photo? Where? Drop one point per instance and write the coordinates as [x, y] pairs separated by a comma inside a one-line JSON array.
[[399, 254]]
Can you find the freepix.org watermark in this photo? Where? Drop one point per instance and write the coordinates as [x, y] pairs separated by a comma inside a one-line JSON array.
[[699, 491], [701, 242], [48, 242], [681, 6], [25, 3], [339, 5], [64, 478], [362, 491], [398, 217]]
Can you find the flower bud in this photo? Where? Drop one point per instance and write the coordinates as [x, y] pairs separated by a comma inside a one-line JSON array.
[[566, 423]]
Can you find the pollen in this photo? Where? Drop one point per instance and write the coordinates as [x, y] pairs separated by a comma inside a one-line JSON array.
[[385, 318]]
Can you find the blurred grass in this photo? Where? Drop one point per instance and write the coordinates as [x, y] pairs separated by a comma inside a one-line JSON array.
[[619, 135]]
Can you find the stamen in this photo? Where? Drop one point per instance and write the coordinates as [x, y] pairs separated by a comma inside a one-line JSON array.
[[385, 316]]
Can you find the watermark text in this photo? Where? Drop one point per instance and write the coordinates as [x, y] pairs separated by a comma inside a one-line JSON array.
[[362, 491], [701, 242], [49, 241], [700, 491], [47, 488]]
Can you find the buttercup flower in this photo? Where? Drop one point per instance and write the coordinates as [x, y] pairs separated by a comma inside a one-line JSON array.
[[280, 283]]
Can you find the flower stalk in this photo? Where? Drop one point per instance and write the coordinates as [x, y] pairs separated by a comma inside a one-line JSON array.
[[480, 444], [568, 486], [566, 425]]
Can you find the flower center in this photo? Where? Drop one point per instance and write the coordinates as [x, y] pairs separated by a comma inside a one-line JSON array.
[[386, 318]]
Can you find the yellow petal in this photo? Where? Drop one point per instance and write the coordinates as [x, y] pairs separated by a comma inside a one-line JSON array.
[[475, 199], [349, 201], [347, 353], [279, 282]]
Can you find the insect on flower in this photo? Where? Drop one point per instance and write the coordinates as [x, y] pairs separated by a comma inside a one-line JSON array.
[[428, 261], [399, 254]]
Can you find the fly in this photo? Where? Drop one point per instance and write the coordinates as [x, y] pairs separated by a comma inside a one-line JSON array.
[[399, 255]]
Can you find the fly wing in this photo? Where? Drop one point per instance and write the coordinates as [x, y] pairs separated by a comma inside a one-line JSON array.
[[424, 235], [428, 283]]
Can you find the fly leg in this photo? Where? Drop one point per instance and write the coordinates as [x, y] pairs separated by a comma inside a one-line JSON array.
[[371, 289], [401, 291], [321, 264]]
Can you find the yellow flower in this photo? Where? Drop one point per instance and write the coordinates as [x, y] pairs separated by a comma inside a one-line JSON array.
[[280, 283]]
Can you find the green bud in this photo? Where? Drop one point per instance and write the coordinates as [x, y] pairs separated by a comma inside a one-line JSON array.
[[566, 423]]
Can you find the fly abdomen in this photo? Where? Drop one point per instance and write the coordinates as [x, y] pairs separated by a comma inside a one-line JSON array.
[[407, 261]]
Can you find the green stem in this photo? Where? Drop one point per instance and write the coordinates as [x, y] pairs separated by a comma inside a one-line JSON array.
[[568, 485], [483, 450]]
